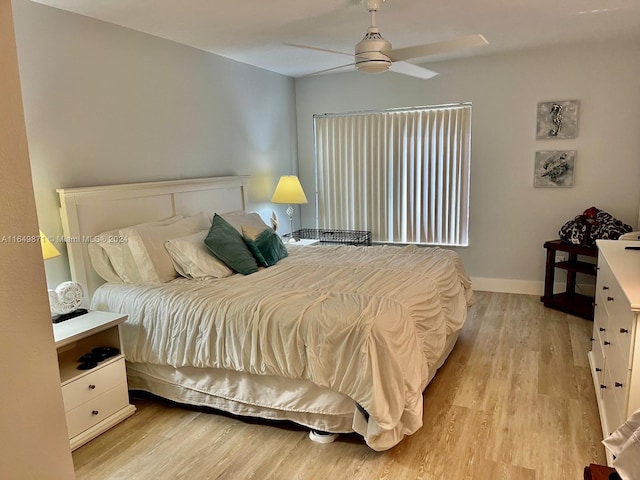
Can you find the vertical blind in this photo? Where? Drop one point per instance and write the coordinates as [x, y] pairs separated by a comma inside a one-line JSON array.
[[403, 174]]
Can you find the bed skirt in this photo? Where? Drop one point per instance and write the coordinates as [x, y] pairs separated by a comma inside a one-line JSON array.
[[260, 396]]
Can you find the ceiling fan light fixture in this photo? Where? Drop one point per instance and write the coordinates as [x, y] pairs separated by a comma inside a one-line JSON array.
[[369, 54], [373, 66]]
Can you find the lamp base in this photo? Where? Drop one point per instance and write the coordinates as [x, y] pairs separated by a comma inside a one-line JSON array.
[[290, 213]]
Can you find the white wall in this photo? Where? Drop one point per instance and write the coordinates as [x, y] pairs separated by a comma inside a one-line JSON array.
[[510, 220], [34, 442], [104, 105]]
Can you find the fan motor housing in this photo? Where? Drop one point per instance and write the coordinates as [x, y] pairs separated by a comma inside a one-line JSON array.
[[369, 54]]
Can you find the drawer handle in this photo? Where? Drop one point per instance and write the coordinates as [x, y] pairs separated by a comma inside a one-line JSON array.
[[602, 329], [603, 386], [609, 299], [605, 287], [598, 369], [92, 387], [607, 343], [618, 384], [624, 330], [95, 412]]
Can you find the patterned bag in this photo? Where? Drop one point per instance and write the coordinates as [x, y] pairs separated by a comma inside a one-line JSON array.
[[593, 224]]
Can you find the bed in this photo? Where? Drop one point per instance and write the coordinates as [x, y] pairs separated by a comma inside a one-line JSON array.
[[335, 338]]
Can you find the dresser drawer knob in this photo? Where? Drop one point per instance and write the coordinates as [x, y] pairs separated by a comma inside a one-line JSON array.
[[624, 330], [598, 369], [92, 387], [602, 329], [603, 386], [605, 287], [618, 384], [607, 343], [95, 412], [609, 299]]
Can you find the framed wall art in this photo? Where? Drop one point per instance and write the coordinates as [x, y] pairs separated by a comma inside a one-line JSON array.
[[557, 119], [554, 168]]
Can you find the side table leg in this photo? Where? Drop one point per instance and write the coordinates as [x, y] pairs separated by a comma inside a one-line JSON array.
[[571, 275], [549, 275]]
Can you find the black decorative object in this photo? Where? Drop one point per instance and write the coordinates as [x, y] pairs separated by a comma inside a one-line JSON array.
[[68, 316]]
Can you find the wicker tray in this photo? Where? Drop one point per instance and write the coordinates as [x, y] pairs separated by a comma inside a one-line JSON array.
[[347, 237]]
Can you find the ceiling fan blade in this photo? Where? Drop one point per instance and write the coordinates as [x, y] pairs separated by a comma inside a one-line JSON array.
[[412, 70], [328, 70], [318, 49], [420, 51]]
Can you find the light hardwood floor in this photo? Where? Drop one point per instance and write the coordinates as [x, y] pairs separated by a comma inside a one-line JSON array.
[[515, 400]]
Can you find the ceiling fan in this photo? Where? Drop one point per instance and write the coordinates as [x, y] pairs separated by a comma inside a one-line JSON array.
[[373, 54]]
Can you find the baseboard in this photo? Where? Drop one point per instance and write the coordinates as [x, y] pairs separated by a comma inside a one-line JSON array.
[[525, 287], [503, 285]]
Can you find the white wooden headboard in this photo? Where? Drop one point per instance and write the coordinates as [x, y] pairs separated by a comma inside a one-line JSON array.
[[87, 212]]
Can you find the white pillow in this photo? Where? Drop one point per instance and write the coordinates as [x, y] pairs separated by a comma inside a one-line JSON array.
[[109, 253], [101, 263], [239, 219], [192, 258], [147, 248]]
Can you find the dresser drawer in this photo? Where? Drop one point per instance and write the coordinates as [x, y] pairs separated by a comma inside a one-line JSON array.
[[613, 417], [597, 357], [605, 278], [615, 302], [600, 320], [619, 335], [600, 333], [620, 392], [96, 382], [97, 409]]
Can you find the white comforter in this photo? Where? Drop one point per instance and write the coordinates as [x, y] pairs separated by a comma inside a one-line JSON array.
[[368, 322]]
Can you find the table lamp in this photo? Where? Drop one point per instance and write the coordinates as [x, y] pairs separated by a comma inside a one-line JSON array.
[[289, 191], [48, 249]]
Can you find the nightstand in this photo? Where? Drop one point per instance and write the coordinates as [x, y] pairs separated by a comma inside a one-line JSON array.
[[95, 399]]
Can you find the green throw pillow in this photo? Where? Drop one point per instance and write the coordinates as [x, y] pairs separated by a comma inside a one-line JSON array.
[[226, 244], [265, 244]]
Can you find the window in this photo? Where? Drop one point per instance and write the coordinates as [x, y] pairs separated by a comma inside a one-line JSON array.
[[403, 174]]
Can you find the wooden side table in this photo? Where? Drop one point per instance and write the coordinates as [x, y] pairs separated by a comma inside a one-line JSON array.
[[569, 301], [599, 472]]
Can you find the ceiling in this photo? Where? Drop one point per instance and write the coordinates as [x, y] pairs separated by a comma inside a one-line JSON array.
[[255, 32]]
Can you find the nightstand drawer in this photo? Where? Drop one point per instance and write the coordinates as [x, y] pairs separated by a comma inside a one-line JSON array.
[[97, 409], [96, 382]]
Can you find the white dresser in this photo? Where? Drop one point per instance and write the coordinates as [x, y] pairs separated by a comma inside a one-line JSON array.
[[97, 398], [615, 353]]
